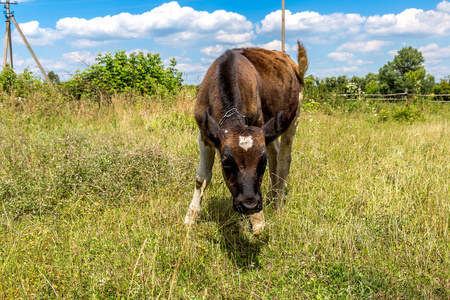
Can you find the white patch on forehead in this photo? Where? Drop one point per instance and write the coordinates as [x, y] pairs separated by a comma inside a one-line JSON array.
[[245, 142]]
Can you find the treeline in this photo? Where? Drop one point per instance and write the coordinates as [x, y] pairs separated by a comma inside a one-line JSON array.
[[405, 71], [145, 75]]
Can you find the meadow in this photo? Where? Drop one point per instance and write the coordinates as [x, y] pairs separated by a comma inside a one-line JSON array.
[[93, 199]]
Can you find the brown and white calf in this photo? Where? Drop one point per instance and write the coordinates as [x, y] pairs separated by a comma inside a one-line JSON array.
[[248, 99]]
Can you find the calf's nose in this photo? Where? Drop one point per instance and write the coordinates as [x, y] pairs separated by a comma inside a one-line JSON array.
[[248, 205]]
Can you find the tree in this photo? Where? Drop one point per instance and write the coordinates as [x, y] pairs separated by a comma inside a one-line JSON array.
[[419, 81], [407, 60], [54, 77], [443, 88], [372, 88], [392, 76]]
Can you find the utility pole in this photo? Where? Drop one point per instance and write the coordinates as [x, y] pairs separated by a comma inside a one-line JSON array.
[[8, 41], [283, 47], [9, 17]]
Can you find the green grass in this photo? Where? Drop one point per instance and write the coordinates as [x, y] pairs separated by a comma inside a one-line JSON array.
[[93, 202]]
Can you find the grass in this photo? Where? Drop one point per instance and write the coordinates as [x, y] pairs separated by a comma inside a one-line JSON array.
[[93, 201]]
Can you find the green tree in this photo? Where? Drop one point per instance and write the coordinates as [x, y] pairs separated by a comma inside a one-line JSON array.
[[443, 88], [54, 77], [392, 76], [372, 88], [419, 81], [408, 59]]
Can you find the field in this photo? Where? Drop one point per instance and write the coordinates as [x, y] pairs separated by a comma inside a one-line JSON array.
[[93, 200]]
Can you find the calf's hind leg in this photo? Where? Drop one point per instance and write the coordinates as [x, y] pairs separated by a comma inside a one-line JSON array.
[[203, 178], [284, 158]]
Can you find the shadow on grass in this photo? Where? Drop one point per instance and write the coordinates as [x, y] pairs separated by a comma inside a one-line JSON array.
[[234, 233]]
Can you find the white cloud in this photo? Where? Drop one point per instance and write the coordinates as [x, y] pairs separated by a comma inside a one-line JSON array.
[[213, 51], [35, 35], [311, 22], [444, 6], [86, 43], [433, 52], [168, 23], [336, 71], [276, 45], [228, 38], [192, 68], [393, 52], [340, 56], [411, 22], [359, 62], [364, 47], [84, 57], [325, 28]]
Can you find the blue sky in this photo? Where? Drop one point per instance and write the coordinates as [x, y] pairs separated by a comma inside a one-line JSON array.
[[342, 37]]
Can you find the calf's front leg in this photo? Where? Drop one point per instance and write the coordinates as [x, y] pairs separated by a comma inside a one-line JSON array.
[[202, 179]]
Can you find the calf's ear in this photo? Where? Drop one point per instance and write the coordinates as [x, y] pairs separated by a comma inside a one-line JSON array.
[[274, 127], [210, 128]]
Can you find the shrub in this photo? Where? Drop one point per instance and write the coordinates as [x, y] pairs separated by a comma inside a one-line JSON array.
[[406, 113], [443, 88], [122, 73]]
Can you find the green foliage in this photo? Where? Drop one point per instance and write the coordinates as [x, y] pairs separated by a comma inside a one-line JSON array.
[[122, 73], [443, 88], [405, 71], [408, 59], [54, 77], [372, 88], [403, 113], [22, 85]]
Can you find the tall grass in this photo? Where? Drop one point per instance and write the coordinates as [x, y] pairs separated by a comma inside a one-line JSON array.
[[93, 200]]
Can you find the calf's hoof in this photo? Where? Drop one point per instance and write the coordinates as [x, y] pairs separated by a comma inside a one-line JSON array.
[[258, 222], [191, 216]]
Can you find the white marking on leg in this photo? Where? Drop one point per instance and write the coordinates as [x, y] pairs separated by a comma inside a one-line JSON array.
[[245, 142], [204, 174]]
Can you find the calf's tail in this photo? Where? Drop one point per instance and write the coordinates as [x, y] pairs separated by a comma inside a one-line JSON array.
[[303, 62]]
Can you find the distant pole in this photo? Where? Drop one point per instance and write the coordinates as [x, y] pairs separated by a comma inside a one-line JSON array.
[[283, 29]]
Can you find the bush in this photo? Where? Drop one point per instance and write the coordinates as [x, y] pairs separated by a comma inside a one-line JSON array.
[[22, 85], [403, 113], [443, 88], [120, 73]]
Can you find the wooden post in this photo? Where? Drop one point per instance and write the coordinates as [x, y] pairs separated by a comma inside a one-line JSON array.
[[31, 51], [8, 41], [5, 53], [283, 29]]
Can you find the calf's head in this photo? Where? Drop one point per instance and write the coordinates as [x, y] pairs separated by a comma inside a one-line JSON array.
[[244, 158]]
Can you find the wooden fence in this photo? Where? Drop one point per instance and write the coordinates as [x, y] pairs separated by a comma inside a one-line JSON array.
[[388, 97]]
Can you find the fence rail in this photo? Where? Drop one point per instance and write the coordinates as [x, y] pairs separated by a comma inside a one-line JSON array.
[[405, 96]]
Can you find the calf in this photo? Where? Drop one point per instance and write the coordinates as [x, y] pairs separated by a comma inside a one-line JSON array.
[[248, 99]]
